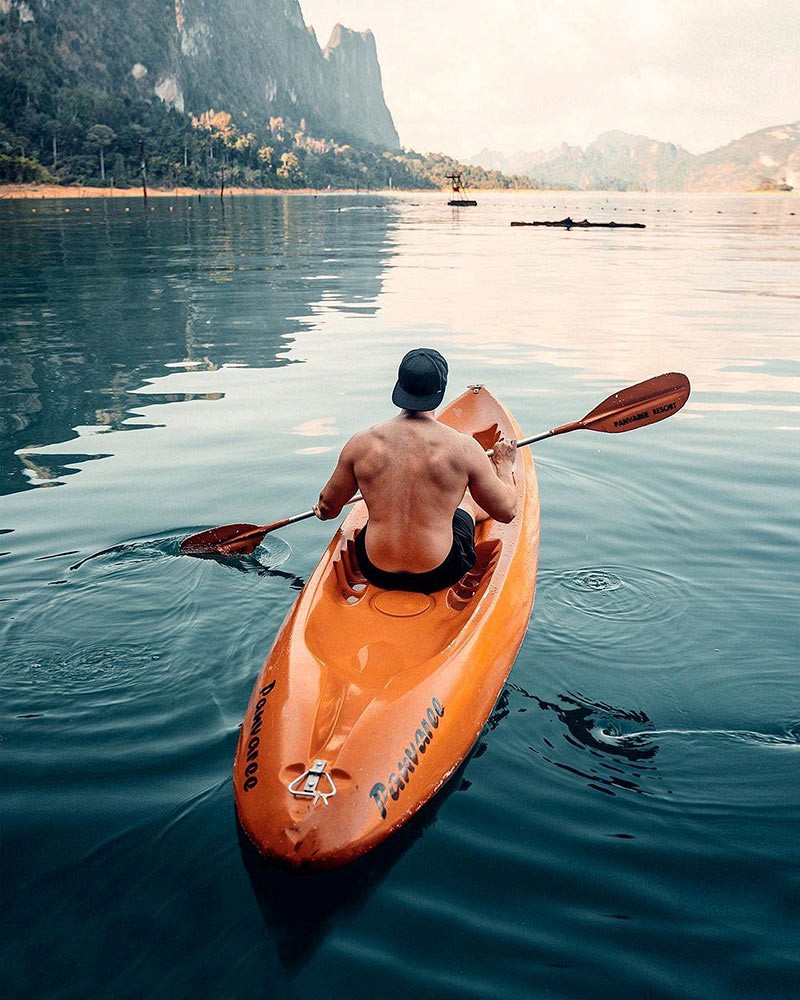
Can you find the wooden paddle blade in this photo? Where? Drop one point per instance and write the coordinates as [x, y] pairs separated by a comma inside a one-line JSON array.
[[225, 538], [238, 539], [638, 405]]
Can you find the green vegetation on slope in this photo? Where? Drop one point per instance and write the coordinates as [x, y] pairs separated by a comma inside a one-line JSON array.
[[90, 138], [56, 129]]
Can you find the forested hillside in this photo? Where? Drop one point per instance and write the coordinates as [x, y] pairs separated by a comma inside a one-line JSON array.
[[168, 91]]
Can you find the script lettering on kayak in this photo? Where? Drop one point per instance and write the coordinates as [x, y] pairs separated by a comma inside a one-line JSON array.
[[409, 759], [254, 740]]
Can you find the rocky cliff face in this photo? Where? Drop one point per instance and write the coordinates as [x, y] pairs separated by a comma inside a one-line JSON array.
[[252, 58], [353, 76], [767, 159]]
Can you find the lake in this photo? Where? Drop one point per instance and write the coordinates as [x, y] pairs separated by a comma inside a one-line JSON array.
[[627, 825]]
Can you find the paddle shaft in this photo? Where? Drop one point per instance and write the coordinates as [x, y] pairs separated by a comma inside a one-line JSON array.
[[524, 442]]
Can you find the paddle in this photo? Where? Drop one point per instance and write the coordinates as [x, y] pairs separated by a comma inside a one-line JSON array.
[[637, 406], [241, 539]]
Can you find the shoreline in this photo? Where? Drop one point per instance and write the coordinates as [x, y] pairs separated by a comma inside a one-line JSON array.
[[15, 192], [12, 192]]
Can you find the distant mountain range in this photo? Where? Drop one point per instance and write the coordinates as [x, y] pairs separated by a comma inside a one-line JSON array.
[[765, 160]]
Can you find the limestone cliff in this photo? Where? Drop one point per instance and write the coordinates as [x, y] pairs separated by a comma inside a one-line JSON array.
[[253, 58], [768, 159], [353, 74]]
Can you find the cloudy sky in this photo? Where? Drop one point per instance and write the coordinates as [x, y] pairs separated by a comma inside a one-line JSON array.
[[517, 75]]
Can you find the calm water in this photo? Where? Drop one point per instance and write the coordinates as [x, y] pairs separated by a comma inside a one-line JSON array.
[[628, 824]]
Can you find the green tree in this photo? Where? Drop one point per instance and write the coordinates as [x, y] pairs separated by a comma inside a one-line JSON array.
[[290, 168], [99, 137]]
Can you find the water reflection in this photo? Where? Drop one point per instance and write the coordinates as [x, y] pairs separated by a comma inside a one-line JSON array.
[[300, 907], [613, 765], [97, 305], [661, 300]]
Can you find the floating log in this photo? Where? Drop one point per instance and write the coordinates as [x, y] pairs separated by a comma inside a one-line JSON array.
[[570, 224], [462, 202]]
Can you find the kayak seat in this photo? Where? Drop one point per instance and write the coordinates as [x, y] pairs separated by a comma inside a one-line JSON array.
[[460, 595], [385, 632]]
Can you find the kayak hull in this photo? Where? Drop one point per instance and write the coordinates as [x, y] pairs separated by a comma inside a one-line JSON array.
[[370, 699]]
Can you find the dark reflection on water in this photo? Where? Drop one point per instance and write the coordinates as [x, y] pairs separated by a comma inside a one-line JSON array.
[[300, 908], [264, 561], [615, 764], [94, 305]]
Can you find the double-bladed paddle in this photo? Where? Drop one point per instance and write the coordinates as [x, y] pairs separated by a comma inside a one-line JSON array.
[[637, 406]]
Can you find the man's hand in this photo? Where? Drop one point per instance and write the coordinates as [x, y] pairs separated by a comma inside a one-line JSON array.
[[504, 453], [491, 483]]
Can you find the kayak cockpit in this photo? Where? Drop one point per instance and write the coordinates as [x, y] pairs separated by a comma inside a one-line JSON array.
[[382, 631]]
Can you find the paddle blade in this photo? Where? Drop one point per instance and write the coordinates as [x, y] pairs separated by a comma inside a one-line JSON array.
[[638, 405], [241, 539]]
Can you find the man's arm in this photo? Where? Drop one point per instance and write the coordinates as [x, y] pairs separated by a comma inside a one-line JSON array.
[[491, 481], [340, 487]]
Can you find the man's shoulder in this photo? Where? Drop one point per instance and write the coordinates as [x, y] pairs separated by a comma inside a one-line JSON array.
[[366, 438], [360, 437], [462, 448]]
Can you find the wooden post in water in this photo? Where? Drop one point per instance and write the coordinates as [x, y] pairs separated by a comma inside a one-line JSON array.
[[143, 169], [222, 184]]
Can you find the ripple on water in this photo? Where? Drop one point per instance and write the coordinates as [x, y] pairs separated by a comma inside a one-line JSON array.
[[132, 621], [722, 770], [592, 606], [623, 593], [97, 669]]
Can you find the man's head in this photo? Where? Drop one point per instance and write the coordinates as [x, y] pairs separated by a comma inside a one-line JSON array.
[[421, 380]]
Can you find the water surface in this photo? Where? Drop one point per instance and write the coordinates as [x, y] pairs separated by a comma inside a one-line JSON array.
[[627, 825]]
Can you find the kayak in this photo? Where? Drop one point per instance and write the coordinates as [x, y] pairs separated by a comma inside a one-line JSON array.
[[370, 699]]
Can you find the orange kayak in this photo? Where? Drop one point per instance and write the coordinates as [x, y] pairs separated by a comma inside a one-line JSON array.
[[370, 699]]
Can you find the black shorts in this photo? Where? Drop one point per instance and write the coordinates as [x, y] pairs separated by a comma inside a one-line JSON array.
[[459, 561]]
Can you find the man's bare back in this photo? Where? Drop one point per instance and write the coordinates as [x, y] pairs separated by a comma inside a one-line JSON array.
[[413, 472]]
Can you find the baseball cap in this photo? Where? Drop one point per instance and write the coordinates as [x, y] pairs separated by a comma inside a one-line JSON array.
[[421, 380]]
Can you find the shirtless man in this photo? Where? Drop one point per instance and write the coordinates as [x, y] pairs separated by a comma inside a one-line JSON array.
[[413, 473]]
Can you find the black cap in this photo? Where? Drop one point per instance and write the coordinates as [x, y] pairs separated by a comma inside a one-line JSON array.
[[421, 380]]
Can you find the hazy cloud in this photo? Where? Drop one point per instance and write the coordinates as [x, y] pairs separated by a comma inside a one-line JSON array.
[[529, 74]]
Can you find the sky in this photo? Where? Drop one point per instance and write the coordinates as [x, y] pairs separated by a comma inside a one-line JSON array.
[[526, 75]]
